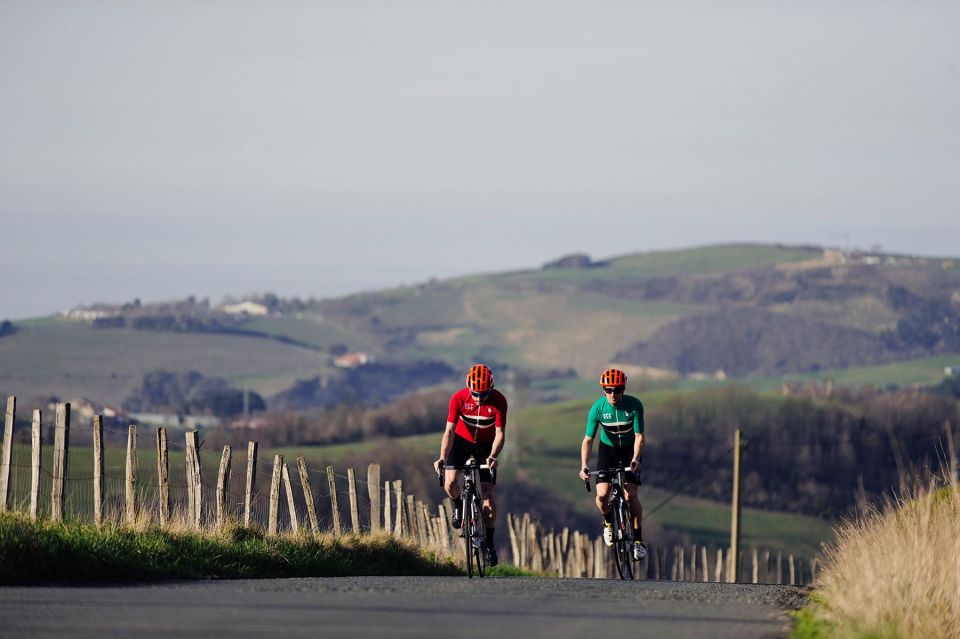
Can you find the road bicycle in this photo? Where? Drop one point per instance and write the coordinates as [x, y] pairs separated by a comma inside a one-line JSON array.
[[622, 548], [472, 527]]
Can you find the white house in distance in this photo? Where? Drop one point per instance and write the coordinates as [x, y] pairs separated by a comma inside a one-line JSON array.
[[246, 307], [352, 360]]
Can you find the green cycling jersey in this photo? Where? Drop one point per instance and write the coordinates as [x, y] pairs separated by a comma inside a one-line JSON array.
[[619, 425]]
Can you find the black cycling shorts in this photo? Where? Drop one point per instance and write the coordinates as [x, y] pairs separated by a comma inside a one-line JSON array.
[[610, 457], [462, 450]]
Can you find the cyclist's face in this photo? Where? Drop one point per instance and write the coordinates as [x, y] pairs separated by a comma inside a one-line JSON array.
[[480, 397], [614, 394]]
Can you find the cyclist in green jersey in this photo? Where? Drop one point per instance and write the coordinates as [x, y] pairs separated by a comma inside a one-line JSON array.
[[619, 418]]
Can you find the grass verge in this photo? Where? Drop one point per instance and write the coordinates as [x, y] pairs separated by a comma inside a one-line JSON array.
[[893, 573], [42, 552]]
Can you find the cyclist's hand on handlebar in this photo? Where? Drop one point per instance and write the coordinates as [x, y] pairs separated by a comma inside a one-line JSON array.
[[585, 473], [492, 463], [634, 465], [438, 466]]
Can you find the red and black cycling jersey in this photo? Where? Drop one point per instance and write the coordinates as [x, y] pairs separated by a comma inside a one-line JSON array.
[[477, 422]]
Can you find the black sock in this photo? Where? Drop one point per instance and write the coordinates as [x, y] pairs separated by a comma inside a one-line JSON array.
[[490, 537], [457, 503]]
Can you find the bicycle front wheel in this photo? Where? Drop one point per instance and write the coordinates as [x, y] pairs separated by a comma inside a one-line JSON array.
[[466, 529], [622, 549], [479, 536]]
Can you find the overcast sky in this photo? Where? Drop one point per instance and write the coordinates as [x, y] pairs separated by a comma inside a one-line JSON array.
[[162, 149]]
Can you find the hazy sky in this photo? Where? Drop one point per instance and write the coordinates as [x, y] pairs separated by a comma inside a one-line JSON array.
[[161, 149]]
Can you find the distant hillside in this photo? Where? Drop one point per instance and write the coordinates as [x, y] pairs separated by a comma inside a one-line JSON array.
[[741, 309], [745, 310]]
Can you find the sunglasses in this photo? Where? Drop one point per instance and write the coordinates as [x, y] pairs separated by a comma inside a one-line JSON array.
[[482, 395], [613, 390]]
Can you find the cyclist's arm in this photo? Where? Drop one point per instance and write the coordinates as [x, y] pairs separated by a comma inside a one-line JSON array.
[[498, 440], [586, 448], [446, 443], [638, 427], [637, 448]]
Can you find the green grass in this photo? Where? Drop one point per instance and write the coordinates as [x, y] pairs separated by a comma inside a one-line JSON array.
[[921, 372], [709, 259], [509, 570], [808, 625], [42, 552], [309, 329]]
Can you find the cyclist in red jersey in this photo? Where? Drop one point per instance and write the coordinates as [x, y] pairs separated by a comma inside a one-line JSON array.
[[476, 423]]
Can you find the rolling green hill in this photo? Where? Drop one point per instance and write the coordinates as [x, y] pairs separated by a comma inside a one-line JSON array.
[[71, 359], [760, 313]]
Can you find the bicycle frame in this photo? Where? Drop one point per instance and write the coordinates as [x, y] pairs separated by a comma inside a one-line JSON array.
[[622, 548], [473, 527]]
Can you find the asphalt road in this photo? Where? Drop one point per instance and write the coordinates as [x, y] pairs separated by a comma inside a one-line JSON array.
[[398, 607]]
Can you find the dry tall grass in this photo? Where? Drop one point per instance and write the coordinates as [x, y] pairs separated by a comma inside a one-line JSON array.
[[895, 571]]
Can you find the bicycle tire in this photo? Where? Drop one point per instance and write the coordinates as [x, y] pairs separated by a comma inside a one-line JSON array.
[[623, 541], [466, 528], [479, 537]]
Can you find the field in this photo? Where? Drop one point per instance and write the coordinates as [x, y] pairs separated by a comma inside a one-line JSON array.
[[72, 360]]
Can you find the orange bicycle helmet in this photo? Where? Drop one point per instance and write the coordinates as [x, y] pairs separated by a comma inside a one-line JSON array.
[[480, 378], [613, 377]]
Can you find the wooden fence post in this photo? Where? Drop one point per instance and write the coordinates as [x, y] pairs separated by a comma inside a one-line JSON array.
[[599, 558], [387, 514], [423, 521], [223, 479], [291, 504], [163, 476], [308, 495], [274, 495], [410, 520], [398, 500], [514, 550], [130, 500], [188, 453], [524, 536], [793, 570], [35, 457], [373, 487], [354, 510], [7, 454], [98, 469], [335, 509], [756, 566], [194, 478], [61, 450], [444, 528], [705, 562], [779, 566], [251, 483], [410, 517], [718, 569]]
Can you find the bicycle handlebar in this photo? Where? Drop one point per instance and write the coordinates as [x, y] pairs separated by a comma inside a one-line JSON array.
[[446, 466], [586, 482], [610, 470]]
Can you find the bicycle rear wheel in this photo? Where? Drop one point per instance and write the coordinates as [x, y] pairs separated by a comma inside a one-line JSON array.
[[622, 549]]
